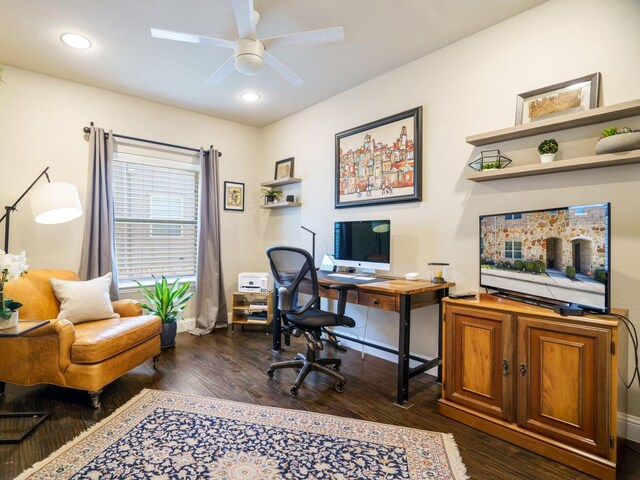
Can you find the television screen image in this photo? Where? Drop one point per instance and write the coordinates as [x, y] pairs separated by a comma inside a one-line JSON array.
[[558, 255]]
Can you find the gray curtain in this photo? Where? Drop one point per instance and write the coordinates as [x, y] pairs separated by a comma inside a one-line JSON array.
[[98, 246], [211, 304]]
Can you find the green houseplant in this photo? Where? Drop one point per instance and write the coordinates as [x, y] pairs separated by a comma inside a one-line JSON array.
[[616, 139], [166, 301], [270, 194], [547, 150]]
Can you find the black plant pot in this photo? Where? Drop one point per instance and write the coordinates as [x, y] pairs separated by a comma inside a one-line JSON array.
[[168, 335]]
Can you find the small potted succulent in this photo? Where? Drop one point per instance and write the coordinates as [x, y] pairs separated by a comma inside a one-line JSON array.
[[167, 301], [616, 139], [547, 150], [270, 195]]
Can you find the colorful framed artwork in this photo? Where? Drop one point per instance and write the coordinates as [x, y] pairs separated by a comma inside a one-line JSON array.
[[284, 169], [559, 99], [380, 162], [234, 196]]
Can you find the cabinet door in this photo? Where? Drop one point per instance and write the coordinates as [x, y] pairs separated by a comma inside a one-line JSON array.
[[478, 370], [563, 382]]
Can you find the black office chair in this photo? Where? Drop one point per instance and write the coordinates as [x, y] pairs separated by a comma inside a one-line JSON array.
[[290, 266]]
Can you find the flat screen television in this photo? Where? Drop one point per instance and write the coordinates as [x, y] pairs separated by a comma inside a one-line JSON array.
[[363, 244], [558, 256]]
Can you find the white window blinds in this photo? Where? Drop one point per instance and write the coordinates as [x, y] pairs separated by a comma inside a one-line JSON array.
[[156, 217]]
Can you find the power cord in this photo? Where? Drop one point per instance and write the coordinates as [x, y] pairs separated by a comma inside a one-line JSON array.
[[633, 334]]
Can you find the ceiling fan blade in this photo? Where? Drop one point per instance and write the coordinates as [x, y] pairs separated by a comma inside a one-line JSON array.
[[191, 38], [281, 70], [245, 18], [222, 72], [313, 37]]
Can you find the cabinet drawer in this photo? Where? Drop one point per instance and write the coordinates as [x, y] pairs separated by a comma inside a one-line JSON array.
[[377, 300]]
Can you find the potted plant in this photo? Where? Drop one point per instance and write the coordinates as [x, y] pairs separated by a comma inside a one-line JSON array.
[[12, 267], [270, 194], [167, 301], [616, 139], [547, 150]]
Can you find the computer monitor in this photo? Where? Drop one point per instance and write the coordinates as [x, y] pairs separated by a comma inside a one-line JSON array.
[[363, 244]]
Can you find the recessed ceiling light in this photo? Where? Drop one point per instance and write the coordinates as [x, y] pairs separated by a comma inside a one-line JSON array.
[[74, 40], [250, 96]]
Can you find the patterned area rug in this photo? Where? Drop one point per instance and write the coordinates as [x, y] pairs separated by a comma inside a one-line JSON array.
[[165, 435]]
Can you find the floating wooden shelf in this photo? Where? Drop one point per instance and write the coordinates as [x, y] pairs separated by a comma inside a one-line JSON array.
[[280, 182], [273, 206], [580, 163], [572, 120]]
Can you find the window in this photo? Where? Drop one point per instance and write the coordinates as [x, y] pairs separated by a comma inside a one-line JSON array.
[[513, 249], [156, 218], [513, 216]]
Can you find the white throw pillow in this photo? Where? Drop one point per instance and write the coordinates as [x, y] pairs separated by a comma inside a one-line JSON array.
[[84, 301]]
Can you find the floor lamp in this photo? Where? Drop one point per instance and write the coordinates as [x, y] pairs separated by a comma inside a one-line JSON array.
[[51, 202]]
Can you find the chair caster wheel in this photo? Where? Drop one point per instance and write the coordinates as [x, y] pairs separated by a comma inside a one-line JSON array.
[[339, 387], [270, 373], [336, 368], [294, 391]]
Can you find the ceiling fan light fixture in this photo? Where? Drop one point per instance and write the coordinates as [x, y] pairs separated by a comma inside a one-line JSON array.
[[75, 40], [248, 55], [250, 97]]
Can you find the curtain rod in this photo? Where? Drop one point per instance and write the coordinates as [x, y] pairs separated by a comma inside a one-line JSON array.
[[171, 145]]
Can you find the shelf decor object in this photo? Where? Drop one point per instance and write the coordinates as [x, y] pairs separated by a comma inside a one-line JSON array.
[[490, 160], [284, 169], [619, 142], [562, 98], [380, 162]]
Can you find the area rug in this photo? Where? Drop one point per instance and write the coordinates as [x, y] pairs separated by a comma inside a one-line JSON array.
[[165, 435]]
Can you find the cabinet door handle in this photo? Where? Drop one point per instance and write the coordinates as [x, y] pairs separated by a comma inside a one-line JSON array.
[[505, 367], [376, 301], [523, 369]]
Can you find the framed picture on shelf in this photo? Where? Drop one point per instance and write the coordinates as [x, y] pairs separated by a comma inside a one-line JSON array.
[[234, 196], [284, 169], [567, 97], [380, 162]]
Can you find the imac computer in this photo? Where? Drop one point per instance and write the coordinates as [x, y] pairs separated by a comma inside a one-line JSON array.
[[363, 244]]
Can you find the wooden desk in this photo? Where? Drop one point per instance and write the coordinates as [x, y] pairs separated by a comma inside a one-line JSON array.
[[394, 295]]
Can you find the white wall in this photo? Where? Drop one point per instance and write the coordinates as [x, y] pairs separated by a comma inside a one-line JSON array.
[[467, 88], [41, 122]]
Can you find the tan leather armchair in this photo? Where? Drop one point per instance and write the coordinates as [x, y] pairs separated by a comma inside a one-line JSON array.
[[85, 356]]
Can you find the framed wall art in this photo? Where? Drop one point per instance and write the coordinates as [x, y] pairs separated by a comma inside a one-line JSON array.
[[380, 162], [284, 169], [234, 196], [559, 99]]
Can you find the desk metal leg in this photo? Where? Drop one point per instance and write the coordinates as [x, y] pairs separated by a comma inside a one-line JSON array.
[[441, 294], [403, 349], [277, 325]]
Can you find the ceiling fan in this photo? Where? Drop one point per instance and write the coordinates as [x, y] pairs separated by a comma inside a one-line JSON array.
[[250, 53]]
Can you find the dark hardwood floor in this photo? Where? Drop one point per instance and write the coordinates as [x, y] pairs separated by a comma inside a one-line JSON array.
[[232, 365]]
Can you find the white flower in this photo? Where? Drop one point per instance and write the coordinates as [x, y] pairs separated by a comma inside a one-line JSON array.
[[13, 266]]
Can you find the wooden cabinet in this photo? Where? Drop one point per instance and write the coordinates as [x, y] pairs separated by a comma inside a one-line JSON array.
[[481, 359], [252, 308], [534, 378]]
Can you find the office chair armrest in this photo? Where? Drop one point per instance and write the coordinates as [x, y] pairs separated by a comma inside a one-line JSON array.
[[343, 291]]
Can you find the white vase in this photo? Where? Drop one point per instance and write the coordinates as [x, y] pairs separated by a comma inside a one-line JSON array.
[[547, 157], [618, 143], [11, 322]]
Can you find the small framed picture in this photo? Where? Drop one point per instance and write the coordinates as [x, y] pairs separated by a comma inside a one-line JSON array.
[[284, 169], [234, 196], [566, 97]]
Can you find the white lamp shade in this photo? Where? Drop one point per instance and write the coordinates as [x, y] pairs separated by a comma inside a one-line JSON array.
[[55, 202]]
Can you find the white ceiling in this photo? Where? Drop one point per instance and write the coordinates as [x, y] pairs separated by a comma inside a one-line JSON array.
[[380, 35]]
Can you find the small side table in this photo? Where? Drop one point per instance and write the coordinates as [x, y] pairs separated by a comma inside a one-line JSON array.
[[17, 331]]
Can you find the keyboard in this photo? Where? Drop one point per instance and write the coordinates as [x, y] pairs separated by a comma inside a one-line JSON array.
[[341, 275]]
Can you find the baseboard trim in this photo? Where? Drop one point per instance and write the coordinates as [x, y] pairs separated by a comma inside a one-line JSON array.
[[633, 426], [186, 324]]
